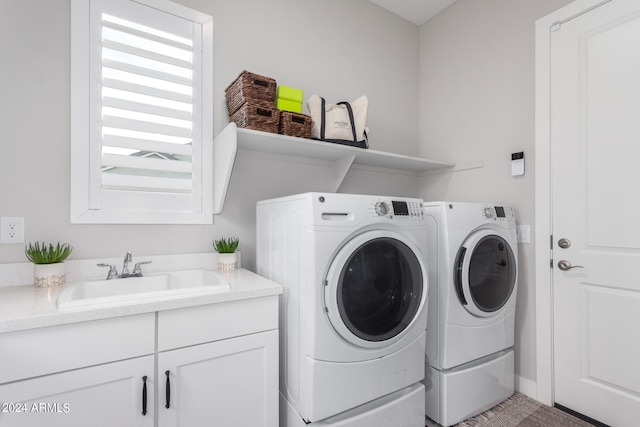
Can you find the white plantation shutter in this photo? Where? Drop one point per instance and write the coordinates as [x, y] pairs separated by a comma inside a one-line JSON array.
[[149, 111]]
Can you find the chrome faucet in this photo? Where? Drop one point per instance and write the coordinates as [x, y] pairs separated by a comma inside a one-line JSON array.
[[113, 272], [125, 266]]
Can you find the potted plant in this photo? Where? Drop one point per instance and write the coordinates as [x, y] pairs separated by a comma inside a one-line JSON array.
[[48, 263], [227, 255]]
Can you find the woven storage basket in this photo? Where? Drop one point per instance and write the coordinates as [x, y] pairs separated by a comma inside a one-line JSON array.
[[295, 124], [257, 115], [247, 87]]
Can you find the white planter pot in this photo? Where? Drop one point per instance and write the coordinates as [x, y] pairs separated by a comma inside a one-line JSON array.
[[48, 275], [228, 262]]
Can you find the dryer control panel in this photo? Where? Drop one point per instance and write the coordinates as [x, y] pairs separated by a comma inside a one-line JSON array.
[[497, 212], [398, 209]]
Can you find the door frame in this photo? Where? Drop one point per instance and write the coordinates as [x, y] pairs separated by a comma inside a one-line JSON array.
[[543, 208]]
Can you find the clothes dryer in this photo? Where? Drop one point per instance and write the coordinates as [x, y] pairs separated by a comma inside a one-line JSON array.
[[354, 307], [472, 263]]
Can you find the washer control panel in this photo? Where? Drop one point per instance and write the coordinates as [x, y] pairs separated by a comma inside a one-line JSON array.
[[398, 209], [497, 212]]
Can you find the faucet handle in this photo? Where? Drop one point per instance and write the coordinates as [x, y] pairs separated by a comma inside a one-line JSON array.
[[113, 272], [137, 270]]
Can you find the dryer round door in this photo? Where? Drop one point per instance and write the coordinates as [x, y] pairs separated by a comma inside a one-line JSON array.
[[485, 273], [375, 288]]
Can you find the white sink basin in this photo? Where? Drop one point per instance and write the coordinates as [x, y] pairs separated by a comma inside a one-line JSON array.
[[158, 286]]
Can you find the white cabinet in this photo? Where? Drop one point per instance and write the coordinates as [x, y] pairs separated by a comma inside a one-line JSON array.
[[222, 361], [88, 373], [228, 383], [43, 351], [100, 396], [223, 364]]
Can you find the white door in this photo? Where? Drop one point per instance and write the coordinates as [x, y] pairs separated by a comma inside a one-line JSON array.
[[595, 149], [228, 383], [102, 396]]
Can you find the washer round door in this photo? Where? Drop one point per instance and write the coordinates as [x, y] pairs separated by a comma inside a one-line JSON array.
[[485, 273], [375, 288]]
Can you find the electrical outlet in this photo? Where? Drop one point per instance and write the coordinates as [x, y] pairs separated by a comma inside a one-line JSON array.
[[12, 230]]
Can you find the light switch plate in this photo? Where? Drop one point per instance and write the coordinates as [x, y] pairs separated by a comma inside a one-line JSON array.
[[524, 233]]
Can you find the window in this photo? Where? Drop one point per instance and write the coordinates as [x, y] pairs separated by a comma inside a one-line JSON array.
[[141, 112]]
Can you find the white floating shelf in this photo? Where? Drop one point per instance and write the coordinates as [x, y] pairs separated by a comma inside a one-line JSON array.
[[227, 143]]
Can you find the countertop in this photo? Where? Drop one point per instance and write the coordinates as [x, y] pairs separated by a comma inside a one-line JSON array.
[[28, 307]]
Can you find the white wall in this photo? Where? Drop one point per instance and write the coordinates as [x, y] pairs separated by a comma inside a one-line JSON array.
[[337, 49], [331, 47], [473, 65], [477, 107]]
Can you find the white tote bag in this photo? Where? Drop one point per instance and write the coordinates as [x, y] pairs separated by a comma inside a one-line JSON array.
[[342, 123]]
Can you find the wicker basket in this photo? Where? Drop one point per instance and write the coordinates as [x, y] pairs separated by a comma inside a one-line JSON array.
[[249, 87], [257, 115], [295, 124]]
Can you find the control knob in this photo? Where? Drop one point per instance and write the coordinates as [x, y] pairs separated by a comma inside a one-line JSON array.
[[488, 212], [381, 208]]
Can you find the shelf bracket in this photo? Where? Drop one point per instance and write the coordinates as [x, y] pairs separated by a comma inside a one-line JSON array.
[[342, 166], [225, 148]]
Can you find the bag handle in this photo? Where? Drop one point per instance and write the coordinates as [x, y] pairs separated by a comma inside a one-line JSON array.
[[322, 118], [351, 119]]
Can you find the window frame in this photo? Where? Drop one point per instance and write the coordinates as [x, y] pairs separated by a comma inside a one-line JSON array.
[[85, 167]]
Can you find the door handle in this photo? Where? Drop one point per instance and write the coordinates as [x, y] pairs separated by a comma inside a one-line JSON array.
[[167, 390], [565, 265], [144, 395]]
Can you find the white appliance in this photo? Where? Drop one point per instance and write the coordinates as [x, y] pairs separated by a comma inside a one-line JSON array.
[[472, 261], [354, 307]]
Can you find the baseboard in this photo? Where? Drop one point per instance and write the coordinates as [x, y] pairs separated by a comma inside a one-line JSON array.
[[526, 387]]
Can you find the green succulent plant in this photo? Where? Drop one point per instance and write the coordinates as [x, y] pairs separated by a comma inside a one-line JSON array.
[[41, 254], [226, 246]]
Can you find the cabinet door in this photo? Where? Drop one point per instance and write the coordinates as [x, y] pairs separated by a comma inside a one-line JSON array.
[[105, 395], [227, 383]]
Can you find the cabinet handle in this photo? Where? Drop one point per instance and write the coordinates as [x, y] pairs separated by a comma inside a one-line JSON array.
[[168, 390], [144, 395]]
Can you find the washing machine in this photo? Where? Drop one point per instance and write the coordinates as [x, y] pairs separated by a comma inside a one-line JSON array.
[[472, 262], [354, 307]]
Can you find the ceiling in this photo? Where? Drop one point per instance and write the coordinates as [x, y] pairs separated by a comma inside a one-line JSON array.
[[416, 11]]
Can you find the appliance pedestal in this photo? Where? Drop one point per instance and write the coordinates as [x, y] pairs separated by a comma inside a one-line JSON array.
[[456, 394], [404, 408]]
